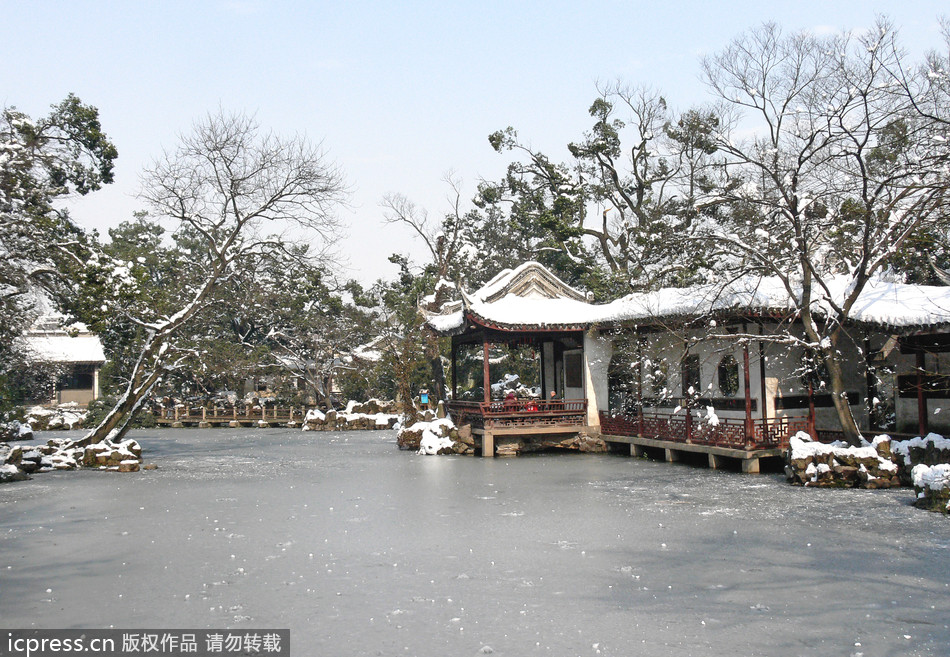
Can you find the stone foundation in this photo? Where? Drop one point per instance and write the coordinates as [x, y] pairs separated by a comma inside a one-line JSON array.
[[580, 442]]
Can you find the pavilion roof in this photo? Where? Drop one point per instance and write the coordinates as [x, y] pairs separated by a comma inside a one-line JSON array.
[[887, 305]]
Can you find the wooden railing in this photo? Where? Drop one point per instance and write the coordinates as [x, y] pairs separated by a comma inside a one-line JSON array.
[[685, 427], [188, 414], [520, 412]]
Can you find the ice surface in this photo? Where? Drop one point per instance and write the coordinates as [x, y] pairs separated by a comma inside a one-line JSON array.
[[361, 549]]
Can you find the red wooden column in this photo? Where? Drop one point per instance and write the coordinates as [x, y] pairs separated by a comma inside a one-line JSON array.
[[749, 430], [639, 383], [485, 373], [921, 398], [763, 398]]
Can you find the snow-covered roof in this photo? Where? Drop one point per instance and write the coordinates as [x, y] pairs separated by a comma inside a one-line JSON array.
[[61, 347], [50, 341], [885, 304], [881, 303], [531, 280]]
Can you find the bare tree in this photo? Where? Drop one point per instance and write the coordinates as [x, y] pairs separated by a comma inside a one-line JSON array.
[[445, 241], [836, 172], [231, 190]]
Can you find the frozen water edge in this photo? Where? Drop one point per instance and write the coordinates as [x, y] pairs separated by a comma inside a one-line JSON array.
[[359, 548]]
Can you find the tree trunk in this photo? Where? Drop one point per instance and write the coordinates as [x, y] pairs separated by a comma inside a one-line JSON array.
[[403, 371], [839, 395], [437, 393], [145, 375]]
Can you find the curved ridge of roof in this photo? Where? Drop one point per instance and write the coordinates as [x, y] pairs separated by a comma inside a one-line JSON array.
[[897, 306]]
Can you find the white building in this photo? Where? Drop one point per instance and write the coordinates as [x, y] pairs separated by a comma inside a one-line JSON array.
[[74, 347]]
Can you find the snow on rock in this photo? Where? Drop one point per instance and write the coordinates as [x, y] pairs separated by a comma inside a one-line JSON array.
[[840, 465], [11, 473], [371, 415], [439, 436], [15, 430], [929, 450], [64, 416], [932, 485], [934, 477], [58, 454], [925, 465], [923, 462]]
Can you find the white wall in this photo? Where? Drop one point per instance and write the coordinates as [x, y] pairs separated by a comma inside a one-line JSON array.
[[597, 352]]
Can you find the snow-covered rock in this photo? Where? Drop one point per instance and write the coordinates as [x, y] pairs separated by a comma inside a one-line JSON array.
[[63, 417], [438, 436], [16, 430], [369, 416], [932, 485], [838, 464], [11, 473], [929, 450], [59, 454]]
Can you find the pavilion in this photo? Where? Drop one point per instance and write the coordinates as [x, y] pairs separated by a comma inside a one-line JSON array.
[[713, 369]]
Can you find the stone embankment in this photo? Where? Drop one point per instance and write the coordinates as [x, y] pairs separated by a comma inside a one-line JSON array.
[[39, 418], [581, 442], [923, 463], [371, 415], [839, 465], [18, 462]]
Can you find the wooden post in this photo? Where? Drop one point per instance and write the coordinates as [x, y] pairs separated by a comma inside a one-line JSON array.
[[486, 375], [749, 431], [204, 413], [176, 412], [235, 411], [921, 398]]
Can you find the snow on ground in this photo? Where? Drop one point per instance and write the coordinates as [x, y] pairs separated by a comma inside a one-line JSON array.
[[361, 549]]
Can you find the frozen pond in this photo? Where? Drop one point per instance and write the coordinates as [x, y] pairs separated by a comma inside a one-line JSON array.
[[364, 550]]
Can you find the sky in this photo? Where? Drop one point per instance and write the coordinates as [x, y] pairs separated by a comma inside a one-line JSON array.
[[399, 93]]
